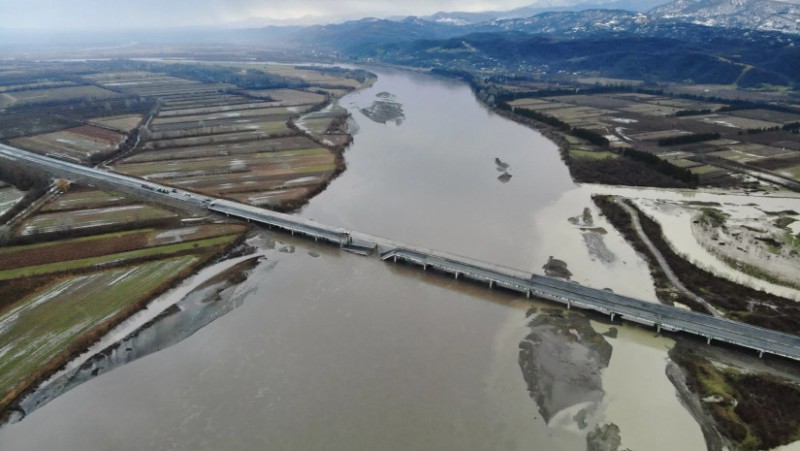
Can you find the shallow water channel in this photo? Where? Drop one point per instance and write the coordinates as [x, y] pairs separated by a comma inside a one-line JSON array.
[[329, 350]]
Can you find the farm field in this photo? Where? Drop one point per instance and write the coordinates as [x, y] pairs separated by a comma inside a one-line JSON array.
[[747, 136], [58, 296], [196, 126], [115, 259], [311, 76], [40, 332], [234, 104], [68, 93], [54, 256], [76, 144], [41, 97], [737, 122], [44, 84], [289, 167], [791, 171], [83, 199], [289, 97], [124, 123], [86, 259], [328, 126], [279, 113], [9, 196], [263, 126], [151, 84], [223, 149], [96, 218], [251, 145]]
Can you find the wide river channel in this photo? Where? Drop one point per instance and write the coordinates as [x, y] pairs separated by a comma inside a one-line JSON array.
[[330, 350]]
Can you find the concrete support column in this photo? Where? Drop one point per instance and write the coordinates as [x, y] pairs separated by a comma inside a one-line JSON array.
[[760, 354], [424, 267], [528, 294], [457, 275], [491, 284], [569, 305], [612, 316], [708, 341], [394, 257], [658, 328]]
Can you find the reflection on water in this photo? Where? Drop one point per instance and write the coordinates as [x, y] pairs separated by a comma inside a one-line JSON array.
[[334, 352]]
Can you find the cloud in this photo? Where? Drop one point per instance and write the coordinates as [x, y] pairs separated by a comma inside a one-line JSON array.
[[134, 14]]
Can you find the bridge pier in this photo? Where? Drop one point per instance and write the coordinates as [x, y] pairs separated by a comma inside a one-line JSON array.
[[457, 275], [528, 294], [658, 328], [612, 316], [394, 259], [708, 340], [569, 304], [491, 284], [760, 354], [424, 266]]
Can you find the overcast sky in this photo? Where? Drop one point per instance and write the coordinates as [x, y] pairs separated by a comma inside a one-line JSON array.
[[129, 14]]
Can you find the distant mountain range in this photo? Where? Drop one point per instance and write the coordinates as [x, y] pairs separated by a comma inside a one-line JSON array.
[[770, 15], [764, 15], [465, 18], [611, 43]]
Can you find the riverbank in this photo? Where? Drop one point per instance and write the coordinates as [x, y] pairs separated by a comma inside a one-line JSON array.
[[589, 163], [130, 287], [206, 302], [191, 142], [740, 403], [708, 392]]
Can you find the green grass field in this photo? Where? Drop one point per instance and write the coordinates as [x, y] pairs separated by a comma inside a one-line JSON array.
[[129, 215], [55, 95], [48, 324], [591, 155], [96, 262], [83, 200]]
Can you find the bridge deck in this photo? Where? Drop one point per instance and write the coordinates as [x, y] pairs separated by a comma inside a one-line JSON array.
[[576, 295], [571, 294], [290, 223]]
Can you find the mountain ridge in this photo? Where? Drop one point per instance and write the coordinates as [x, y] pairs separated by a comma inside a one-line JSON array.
[[765, 15]]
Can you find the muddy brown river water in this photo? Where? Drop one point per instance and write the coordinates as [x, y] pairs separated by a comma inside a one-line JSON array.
[[329, 350]]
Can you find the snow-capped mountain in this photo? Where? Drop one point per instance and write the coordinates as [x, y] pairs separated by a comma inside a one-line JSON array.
[[768, 15]]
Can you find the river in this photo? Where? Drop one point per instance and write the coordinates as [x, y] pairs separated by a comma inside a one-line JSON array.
[[330, 350]]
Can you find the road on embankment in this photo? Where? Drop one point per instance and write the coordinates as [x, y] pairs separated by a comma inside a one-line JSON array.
[[662, 262]]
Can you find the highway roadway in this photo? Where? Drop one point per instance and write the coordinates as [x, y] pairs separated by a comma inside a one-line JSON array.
[[663, 317], [68, 170], [569, 293]]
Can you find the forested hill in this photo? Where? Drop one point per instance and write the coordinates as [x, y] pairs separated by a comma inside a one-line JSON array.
[[611, 43]]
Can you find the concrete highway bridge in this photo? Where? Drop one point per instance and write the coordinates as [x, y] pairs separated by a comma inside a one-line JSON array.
[[659, 316]]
